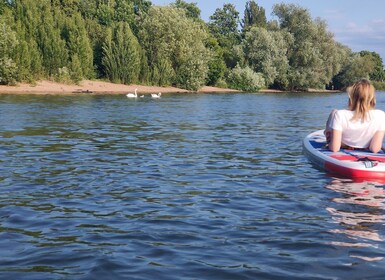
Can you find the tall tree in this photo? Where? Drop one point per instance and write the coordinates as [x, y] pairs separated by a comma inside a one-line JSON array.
[[358, 67], [121, 54], [78, 45], [8, 42], [254, 15], [124, 11], [312, 54], [141, 6], [51, 44], [223, 25], [217, 66], [67, 6], [191, 9], [266, 52], [175, 46], [3, 5], [378, 73], [97, 36]]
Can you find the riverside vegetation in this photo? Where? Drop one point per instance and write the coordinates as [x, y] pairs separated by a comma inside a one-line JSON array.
[[133, 41]]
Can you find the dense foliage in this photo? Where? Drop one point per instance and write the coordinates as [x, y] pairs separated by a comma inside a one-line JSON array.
[[245, 79], [132, 41]]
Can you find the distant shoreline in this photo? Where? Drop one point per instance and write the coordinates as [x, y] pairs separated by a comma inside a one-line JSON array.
[[98, 87]]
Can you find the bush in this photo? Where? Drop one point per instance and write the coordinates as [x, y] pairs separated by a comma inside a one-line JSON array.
[[221, 83], [8, 71], [245, 79], [63, 76], [191, 75]]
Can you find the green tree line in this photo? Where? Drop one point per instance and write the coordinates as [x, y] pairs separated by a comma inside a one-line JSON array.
[[133, 41]]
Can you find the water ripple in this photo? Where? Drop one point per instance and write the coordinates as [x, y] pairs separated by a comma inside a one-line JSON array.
[[188, 187]]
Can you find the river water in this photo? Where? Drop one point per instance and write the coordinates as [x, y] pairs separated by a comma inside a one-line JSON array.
[[208, 186]]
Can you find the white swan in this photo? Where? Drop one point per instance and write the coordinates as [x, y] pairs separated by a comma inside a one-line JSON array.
[[132, 95], [141, 96], [154, 95]]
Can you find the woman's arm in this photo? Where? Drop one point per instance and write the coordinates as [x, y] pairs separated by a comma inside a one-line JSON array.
[[335, 140], [376, 143]]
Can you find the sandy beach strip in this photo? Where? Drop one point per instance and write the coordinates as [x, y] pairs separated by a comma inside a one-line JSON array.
[[96, 87]]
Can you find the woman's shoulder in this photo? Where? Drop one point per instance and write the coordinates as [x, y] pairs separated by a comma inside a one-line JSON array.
[[345, 112], [378, 112]]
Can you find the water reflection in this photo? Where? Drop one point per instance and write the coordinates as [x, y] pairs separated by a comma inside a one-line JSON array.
[[359, 212]]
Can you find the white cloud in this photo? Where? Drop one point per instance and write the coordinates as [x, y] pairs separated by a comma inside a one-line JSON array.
[[369, 36]]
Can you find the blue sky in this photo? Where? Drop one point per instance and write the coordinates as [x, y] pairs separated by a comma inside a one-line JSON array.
[[357, 24]]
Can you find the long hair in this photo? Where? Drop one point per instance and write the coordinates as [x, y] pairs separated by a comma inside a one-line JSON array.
[[362, 98]]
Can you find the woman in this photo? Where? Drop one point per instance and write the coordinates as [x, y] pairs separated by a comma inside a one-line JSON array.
[[359, 127]]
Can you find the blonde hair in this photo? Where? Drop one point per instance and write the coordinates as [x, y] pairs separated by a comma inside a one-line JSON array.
[[362, 98]]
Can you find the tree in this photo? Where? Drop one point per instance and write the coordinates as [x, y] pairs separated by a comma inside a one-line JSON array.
[[175, 47], [312, 54], [378, 73], [88, 9], [266, 51], [225, 21], [121, 54], [28, 59], [253, 16], [105, 13], [141, 6], [51, 44], [191, 9], [217, 66], [76, 72], [124, 11], [3, 5], [223, 25], [68, 7], [8, 42], [78, 45], [24, 18], [357, 68], [97, 34]]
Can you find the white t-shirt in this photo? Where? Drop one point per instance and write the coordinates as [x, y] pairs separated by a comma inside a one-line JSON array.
[[358, 134]]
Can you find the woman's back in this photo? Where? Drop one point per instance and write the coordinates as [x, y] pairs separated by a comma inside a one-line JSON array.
[[358, 133], [361, 126]]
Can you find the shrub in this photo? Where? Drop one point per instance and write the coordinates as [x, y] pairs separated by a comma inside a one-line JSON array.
[[245, 79], [63, 76], [8, 71]]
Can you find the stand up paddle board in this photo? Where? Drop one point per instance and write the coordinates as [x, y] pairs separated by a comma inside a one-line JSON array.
[[346, 163]]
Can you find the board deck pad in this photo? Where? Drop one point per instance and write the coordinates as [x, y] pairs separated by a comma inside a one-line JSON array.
[[348, 163]]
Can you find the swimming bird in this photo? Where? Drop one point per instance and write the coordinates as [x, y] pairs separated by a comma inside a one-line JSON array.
[[154, 95], [132, 95], [141, 96]]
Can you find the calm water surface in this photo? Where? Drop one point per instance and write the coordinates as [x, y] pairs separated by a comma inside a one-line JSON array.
[[185, 187]]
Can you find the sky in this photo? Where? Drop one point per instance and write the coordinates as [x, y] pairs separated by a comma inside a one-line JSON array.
[[358, 24]]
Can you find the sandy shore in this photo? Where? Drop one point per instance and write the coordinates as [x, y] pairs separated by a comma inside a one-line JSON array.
[[96, 87]]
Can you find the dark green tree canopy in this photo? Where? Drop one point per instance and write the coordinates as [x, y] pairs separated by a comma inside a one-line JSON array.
[[132, 40], [377, 74], [254, 15], [225, 21], [192, 10]]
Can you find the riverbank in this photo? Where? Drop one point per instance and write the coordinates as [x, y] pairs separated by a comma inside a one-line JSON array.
[[98, 87], [95, 87]]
